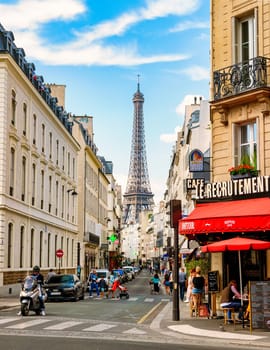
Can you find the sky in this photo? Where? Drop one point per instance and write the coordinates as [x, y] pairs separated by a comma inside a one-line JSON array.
[[97, 48]]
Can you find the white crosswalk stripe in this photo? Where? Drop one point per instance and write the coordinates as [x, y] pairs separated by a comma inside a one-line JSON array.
[[99, 327], [63, 325], [134, 331], [7, 320], [28, 324], [148, 300]]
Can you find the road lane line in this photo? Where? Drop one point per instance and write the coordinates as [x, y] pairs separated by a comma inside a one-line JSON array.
[[7, 320], [149, 313]]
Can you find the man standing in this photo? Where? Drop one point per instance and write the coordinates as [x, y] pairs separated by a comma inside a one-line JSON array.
[[182, 282]]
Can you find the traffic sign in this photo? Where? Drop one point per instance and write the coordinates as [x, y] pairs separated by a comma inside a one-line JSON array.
[[59, 253]]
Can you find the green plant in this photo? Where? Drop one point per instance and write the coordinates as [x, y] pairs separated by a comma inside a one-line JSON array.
[[204, 264], [245, 167]]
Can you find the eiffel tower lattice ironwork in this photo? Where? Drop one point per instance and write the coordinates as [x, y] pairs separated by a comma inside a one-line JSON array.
[[138, 196]]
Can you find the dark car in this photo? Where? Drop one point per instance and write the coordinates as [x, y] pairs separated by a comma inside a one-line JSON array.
[[64, 287]]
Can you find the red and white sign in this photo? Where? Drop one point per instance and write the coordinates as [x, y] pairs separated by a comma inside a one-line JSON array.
[[59, 253]]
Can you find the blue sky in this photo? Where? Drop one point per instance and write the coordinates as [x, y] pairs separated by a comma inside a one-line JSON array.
[[98, 47]]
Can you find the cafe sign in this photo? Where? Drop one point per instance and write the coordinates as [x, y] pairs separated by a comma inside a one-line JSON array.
[[232, 188]]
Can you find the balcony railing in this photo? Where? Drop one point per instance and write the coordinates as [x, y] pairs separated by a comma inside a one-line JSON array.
[[240, 77]]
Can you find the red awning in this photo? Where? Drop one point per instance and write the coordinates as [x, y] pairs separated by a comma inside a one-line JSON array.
[[232, 216]]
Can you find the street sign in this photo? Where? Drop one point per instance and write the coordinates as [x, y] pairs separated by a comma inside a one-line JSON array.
[[59, 253]]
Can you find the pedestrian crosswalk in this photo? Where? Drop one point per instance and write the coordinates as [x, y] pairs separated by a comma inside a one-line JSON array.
[[56, 324]]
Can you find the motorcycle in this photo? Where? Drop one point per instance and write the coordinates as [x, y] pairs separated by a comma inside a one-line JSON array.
[[30, 296]]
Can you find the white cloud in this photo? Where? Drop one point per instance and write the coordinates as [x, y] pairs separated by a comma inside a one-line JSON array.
[[188, 25], [30, 14], [90, 50], [196, 73], [187, 100], [170, 138]]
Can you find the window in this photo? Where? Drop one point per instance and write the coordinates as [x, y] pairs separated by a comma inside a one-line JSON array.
[[55, 248], [245, 143], [33, 183], [40, 248], [13, 107], [57, 152], [63, 157], [32, 247], [43, 137], [56, 196], [50, 193], [23, 178], [42, 190], [50, 154], [34, 129], [48, 249], [21, 246], [9, 244], [24, 119], [245, 38], [68, 164], [12, 172]]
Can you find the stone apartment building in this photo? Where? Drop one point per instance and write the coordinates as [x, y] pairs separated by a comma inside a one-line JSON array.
[[38, 171]]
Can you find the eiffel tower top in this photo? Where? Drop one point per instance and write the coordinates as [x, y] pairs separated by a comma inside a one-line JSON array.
[[138, 196]]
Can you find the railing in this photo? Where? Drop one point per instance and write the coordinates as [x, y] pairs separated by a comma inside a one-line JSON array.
[[240, 77]]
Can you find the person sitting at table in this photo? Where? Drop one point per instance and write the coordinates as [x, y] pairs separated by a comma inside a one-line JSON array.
[[231, 298]]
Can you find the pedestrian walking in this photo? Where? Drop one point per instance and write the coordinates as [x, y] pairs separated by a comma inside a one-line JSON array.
[[182, 283]]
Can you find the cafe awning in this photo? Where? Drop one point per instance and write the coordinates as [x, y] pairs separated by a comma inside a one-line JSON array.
[[230, 216]]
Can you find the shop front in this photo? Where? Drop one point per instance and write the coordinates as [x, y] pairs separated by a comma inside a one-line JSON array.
[[230, 209]]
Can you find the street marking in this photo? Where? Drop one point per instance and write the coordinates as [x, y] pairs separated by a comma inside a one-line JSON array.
[[148, 300], [7, 320], [99, 327], [132, 299], [63, 325], [134, 331], [186, 329], [28, 324], [149, 313]]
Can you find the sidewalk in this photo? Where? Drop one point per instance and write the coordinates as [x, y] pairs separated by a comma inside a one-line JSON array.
[[195, 327], [208, 328]]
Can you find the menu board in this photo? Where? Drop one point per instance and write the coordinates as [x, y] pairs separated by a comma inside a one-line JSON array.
[[260, 304], [213, 281]]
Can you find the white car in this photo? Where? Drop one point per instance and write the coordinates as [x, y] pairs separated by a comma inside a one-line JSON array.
[[129, 273], [130, 269], [105, 273]]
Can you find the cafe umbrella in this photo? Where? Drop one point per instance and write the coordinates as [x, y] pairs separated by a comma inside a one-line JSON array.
[[236, 244]]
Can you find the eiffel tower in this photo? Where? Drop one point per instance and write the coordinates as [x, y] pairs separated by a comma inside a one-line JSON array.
[[138, 196]]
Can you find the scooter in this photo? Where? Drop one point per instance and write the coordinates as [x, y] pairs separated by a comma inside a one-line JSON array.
[[29, 296]]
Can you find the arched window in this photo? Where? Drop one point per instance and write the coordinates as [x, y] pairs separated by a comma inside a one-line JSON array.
[[40, 248], [33, 183]]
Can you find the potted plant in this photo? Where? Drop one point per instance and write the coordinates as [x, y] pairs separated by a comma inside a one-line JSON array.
[[244, 169]]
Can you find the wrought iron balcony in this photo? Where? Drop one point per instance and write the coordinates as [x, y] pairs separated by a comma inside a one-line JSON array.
[[240, 77]]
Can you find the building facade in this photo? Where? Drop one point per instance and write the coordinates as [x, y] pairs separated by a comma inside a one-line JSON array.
[[38, 169]]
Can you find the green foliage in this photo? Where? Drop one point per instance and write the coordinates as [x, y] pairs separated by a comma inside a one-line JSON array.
[[203, 263]]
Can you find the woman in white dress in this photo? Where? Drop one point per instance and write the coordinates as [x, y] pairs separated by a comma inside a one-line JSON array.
[[190, 285]]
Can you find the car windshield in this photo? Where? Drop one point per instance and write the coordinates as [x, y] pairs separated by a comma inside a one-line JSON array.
[[61, 279], [101, 274]]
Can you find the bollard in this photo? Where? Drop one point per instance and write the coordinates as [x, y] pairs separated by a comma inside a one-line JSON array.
[[10, 291]]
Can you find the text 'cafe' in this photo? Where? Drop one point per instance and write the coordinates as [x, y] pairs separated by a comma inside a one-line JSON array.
[[228, 209]]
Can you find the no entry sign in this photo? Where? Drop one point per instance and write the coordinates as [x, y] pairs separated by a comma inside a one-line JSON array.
[[59, 253]]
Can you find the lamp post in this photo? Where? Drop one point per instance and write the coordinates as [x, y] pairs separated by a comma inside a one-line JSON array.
[[175, 216]]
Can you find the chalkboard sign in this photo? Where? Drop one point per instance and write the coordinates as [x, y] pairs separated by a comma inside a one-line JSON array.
[[260, 304], [213, 281]]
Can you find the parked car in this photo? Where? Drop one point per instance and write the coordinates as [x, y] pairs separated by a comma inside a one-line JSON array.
[[129, 273], [121, 274], [131, 269], [64, 287]]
